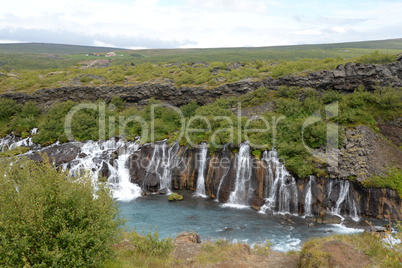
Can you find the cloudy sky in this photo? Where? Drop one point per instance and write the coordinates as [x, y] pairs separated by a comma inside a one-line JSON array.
[[198, 23]]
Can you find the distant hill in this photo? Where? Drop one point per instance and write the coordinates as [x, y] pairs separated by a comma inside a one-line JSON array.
[[30, 56], [40, 48], [76, 49]]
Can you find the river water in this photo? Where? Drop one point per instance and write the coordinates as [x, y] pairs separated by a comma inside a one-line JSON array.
[[211, 220], [233, 221]]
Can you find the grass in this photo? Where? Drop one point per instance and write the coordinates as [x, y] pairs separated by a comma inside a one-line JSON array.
[[292, 105], [45, 56], [142, 250], [393, 180], [59, 73], [313, 255]]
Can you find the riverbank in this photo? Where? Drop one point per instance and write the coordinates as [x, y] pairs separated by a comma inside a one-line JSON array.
[[361, 250]]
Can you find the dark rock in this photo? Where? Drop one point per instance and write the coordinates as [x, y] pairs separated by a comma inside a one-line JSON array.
[[163, 191], [257, 203], [234, 66], [59, 154], [344, 78], [187, 238], [145, 193], [290, 221], [379, 229], [329, 219]]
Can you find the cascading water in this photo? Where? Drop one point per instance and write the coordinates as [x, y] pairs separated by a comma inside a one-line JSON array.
[[343, 191], [11, 141], [119, 180], [166, 178], [202, 161], [345, 197], [281, 190], [95, 157], [329, 189], [308, 198], [243, 189], [161, 164]]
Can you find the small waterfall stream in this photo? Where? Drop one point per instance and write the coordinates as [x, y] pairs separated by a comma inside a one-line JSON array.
[[161, 163], [95, 158], [202, 161], [281, 194], [346, 202], [242, 188], [308, 198], [11, 141], [166, 178], [119, 180]]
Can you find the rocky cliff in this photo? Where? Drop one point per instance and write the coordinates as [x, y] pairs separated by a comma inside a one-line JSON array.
[[230, 175], [344, 78], [271, 187]]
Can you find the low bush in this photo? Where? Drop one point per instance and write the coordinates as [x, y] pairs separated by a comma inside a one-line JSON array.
[[393, 180], [377, 57], [48, 219]]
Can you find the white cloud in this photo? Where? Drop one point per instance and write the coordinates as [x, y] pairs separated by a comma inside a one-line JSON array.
[[308, 32], [193, 23], [338, 29], [241, 6]]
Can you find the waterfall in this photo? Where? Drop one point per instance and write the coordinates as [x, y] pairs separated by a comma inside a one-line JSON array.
[[119, 180], [345, 197], [343, 191], [227, 169], [95, 157], [11, 141], [202, 161], [242, 190], [308, 198], [329, 189], [161, 164], [166, 178], [280, 187]]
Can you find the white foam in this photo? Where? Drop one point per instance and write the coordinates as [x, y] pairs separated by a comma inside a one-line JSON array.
[[287, 244], [236, 206], [341, 229]]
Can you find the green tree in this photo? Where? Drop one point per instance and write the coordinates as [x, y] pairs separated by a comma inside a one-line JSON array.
[[48, 219]]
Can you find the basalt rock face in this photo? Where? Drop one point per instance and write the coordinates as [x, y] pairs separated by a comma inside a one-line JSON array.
[[344, 78], [271, 187], [261, 183], [351, 199]]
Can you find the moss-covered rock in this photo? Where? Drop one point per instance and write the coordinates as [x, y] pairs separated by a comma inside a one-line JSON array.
[[175, 197]]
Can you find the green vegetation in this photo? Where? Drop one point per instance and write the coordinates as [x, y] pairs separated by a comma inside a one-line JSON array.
[[213, 252], [317, 252], [209, 74], [280, 127], [145, 250], [48, 219], [392, 180], [175, 197], [14, 152]]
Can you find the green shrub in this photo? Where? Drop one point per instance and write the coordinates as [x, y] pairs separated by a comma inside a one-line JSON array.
[[8, 108], [189, 109], [287, 92], [391, 180], [48, 219], [377, 57]]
